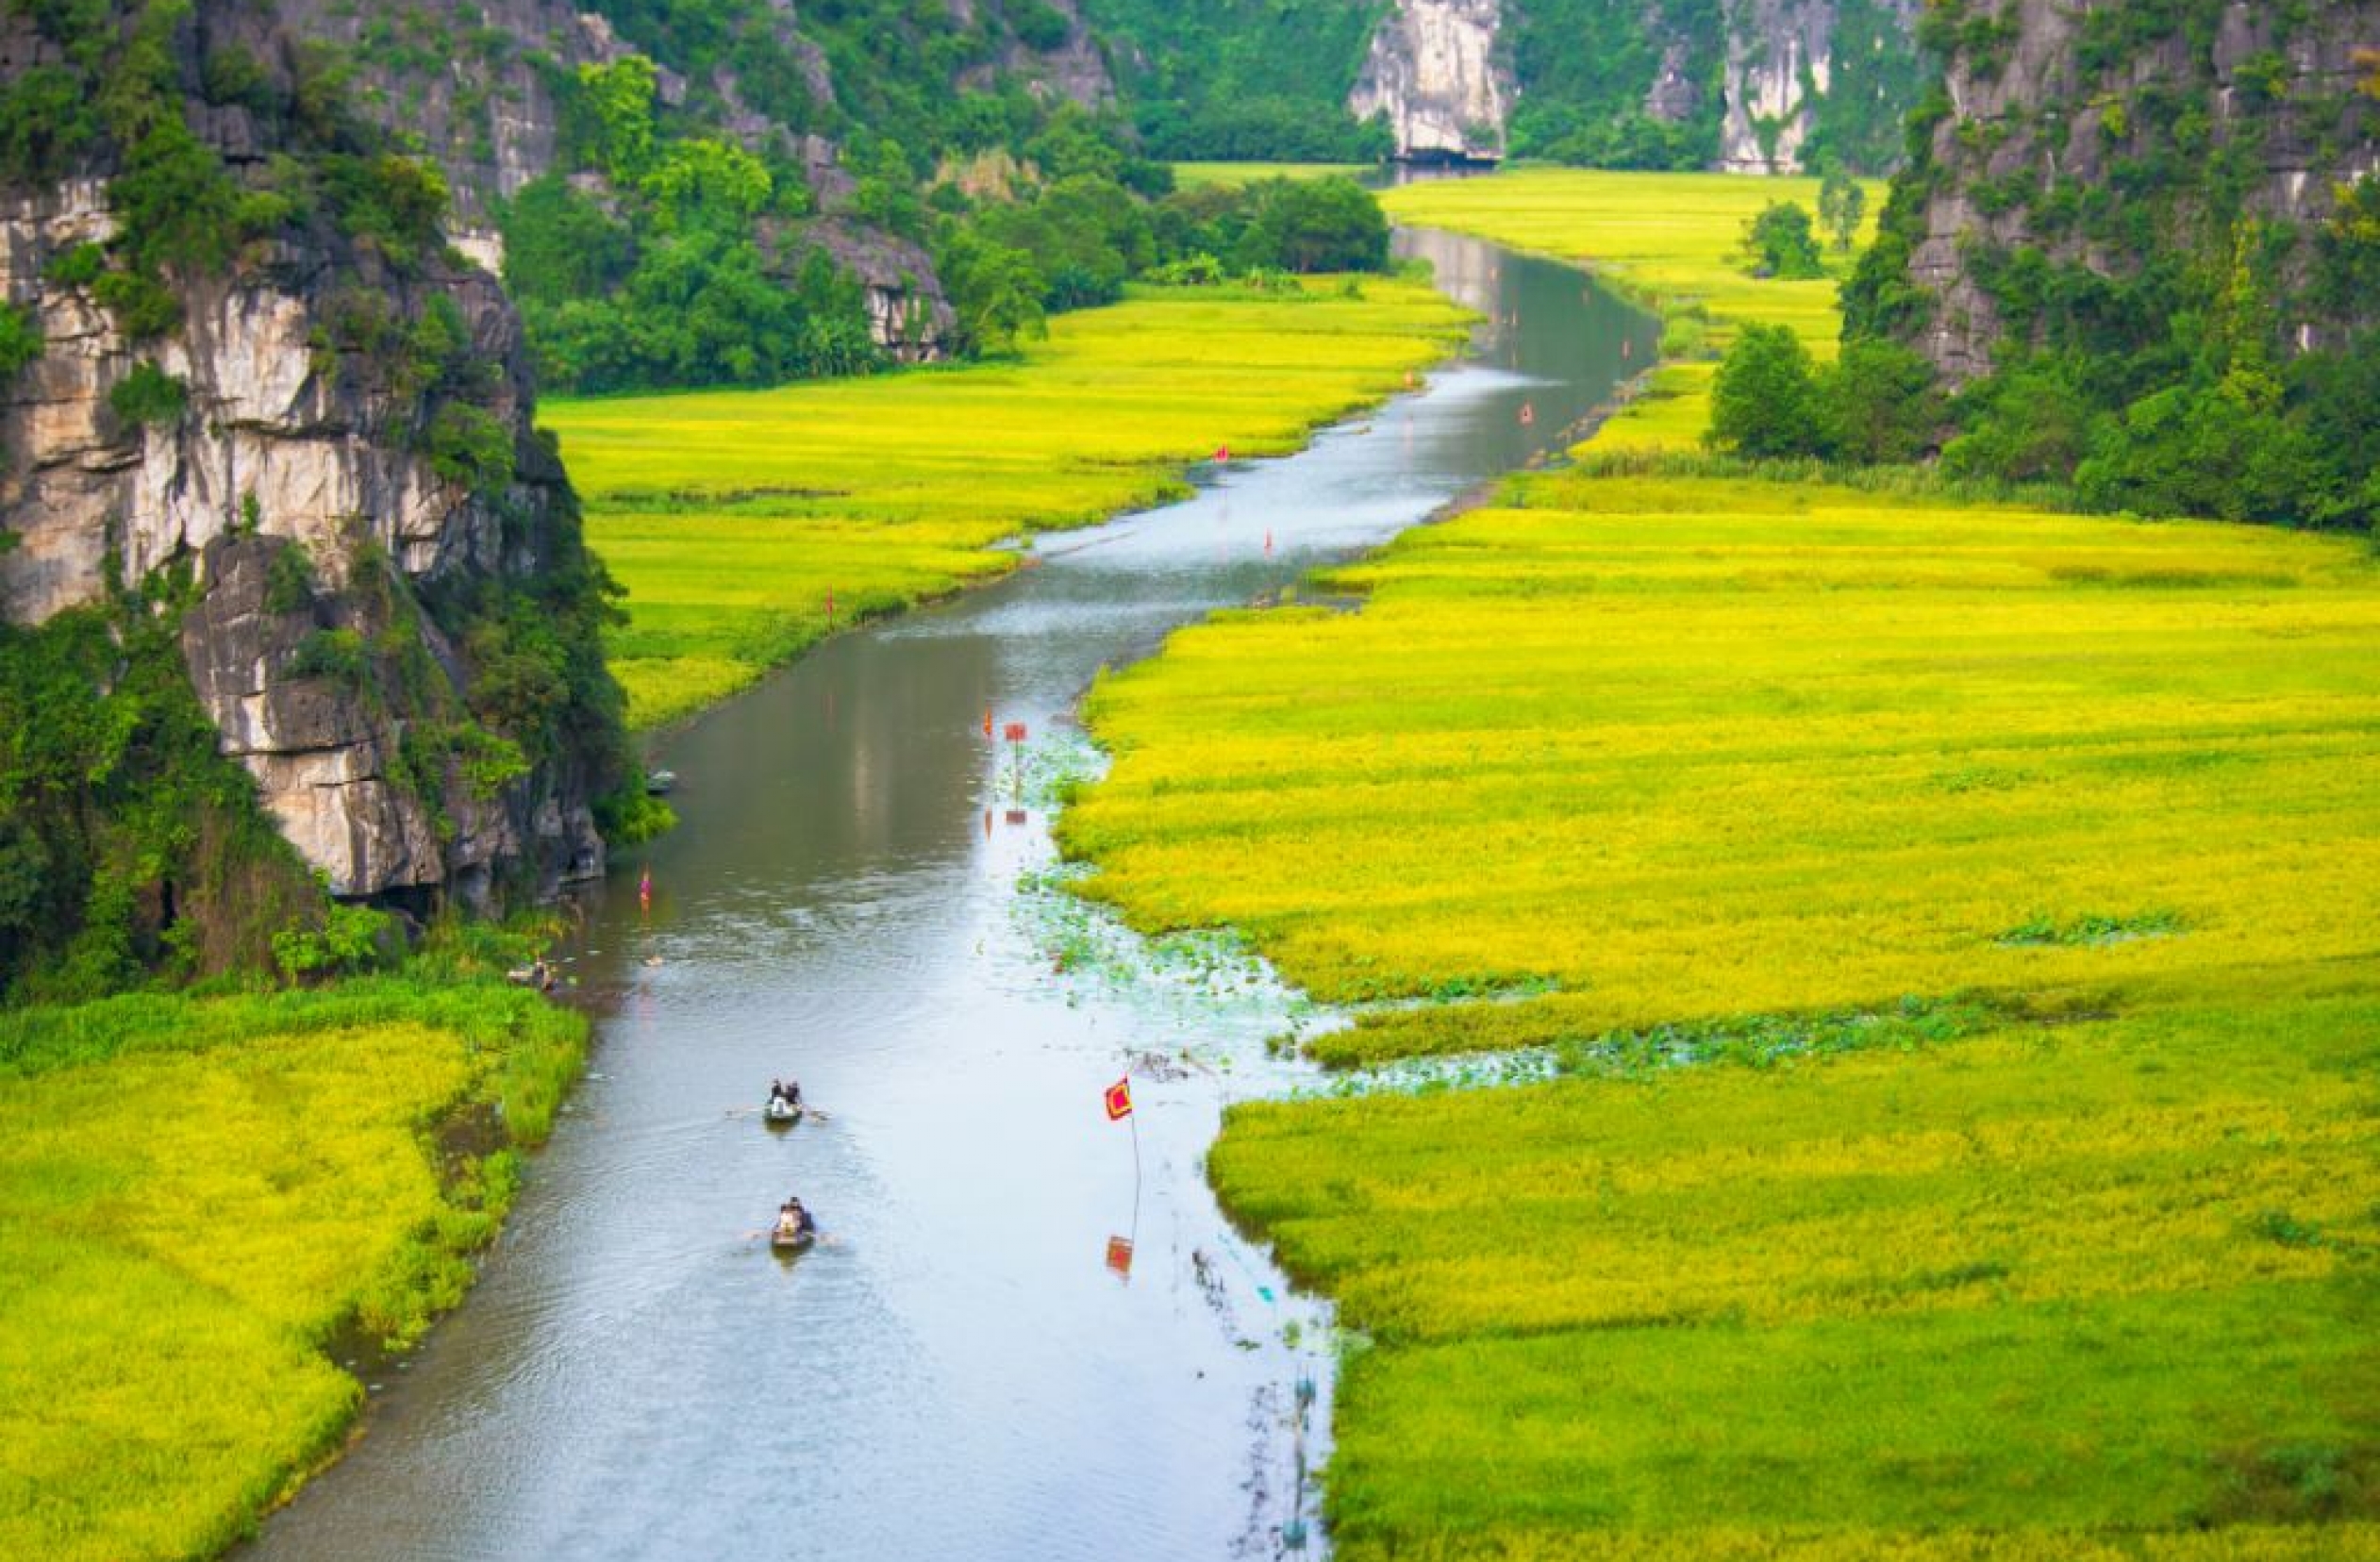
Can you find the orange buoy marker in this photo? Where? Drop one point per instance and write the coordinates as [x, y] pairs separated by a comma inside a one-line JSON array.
[[1409, 379], [987, 824], [1529, 414], [987, 720], [1268, 542], [1222, 453], [644, 889]]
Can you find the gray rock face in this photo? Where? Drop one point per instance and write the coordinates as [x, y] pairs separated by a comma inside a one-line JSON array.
[[1780, 55], [474, 82], [1435, 71], [2030, 115], [295, 442]]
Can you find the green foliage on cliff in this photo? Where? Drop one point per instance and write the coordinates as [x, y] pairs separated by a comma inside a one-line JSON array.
[[1245, 79], [1585, 67], [128, 845]]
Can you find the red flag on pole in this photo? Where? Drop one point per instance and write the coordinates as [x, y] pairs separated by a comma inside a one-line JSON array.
[[1120, 1099]]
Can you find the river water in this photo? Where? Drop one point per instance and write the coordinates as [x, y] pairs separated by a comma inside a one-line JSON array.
[[971, 1367]]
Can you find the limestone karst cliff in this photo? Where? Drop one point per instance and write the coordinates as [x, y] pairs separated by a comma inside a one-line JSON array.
[[269, 398], [1750, 86], [1436, 76], [2073, 148]]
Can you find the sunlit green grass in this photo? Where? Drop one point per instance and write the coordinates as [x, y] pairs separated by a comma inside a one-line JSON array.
[[194, 1197], [733, 517], [1668, 239]]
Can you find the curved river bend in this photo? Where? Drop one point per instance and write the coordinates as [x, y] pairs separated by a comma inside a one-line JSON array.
[[963, 1373]]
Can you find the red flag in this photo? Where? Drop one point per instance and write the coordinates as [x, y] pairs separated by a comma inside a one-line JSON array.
[[1120, 1099], [1119, 1257], [1013, 732]]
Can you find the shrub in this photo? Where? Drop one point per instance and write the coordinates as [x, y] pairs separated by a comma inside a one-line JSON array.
[[148, 395], [469, 445], [1780, 243], [351, 938], [1764, 402], [143, 305], [19, 340]]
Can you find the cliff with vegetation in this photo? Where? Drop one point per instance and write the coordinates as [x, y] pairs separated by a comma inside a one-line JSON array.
[[280, 543], [2144, 242], [1748, 85]]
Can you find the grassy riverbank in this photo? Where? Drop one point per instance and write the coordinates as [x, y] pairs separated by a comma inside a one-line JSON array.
[[1957, 926], [732, 517], [1668, 241], [198, 1196]]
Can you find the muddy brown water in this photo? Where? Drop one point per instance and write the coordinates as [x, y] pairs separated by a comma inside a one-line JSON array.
[[970, 1367]]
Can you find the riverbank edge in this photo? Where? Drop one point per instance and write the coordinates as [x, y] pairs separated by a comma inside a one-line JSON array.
[[1174, 481]]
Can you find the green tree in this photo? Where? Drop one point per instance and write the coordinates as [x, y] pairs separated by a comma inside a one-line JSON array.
[[1843, 203], [996, 291], [1879, 404], [619, 101], [1765, 399], [1316, 226], [1780, 244]]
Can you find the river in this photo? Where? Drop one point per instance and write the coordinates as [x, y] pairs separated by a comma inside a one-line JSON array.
[[971, 1367]]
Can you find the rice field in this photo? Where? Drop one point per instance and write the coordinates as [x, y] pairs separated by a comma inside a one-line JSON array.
[[2051, 1291], [1957, 927], [1666, 239], [1680, 750], [199, 1203], [746, 524]]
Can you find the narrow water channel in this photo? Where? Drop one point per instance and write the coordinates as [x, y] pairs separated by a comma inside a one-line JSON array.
[[973, 1368]]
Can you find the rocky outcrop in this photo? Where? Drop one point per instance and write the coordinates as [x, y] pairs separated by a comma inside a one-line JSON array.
[[1788, 63], [2047, 102], [907, 316], [1757, 79], [340, 457], [471, 85], [1435, 73], [1780, 57]]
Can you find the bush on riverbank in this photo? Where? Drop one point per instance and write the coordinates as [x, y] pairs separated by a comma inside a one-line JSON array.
[[198, 1196]]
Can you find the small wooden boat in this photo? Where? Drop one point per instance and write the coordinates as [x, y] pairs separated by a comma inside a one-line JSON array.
[[780, 1113]]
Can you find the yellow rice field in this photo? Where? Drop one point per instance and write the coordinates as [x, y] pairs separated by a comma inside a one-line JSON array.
[[1959, 930], [1692, 749], [1667, 238], [196, 1199], [732, 517]]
